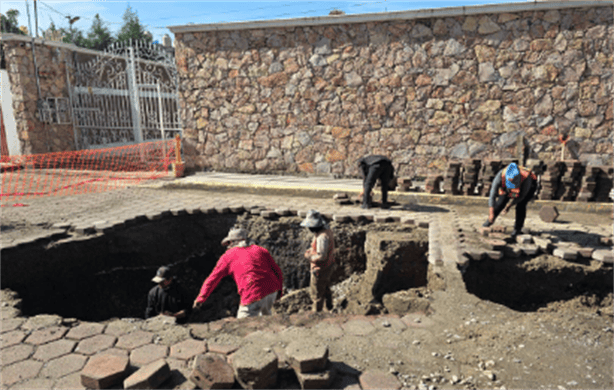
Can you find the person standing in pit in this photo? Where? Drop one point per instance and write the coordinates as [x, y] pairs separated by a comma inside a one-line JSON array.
[[372, 168], [258, 278], [511, 183], [168, 298], [321, 258]]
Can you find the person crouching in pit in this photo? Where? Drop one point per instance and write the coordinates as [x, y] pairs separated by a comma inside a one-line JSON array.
[[258, 277], [321, 258]]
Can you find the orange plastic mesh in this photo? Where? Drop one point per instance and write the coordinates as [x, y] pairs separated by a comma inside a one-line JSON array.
[[84, 171]]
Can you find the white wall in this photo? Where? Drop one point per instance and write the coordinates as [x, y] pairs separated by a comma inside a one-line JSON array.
[[7, 113]]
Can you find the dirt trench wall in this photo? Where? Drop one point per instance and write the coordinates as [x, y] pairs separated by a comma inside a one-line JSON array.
[[314, 97]]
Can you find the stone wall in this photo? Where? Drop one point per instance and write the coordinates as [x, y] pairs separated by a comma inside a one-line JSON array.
[[423, 91], [51, 58]]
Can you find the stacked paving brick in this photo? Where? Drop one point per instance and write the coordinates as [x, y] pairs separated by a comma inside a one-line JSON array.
[[570, 181], [471, 169], [550, 181], [589, 184], [433, 184], [451, 179], [404, 184], [604, 184], [489, 170], [309, 360]]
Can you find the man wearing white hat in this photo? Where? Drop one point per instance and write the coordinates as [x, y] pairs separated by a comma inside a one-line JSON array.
[[321, 258], [258, 277]]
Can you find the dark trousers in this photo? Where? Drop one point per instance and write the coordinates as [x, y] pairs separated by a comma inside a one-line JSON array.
[[382, 170], [521, 207]]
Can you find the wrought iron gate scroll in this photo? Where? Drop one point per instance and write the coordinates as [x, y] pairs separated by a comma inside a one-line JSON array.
[[125, 95]]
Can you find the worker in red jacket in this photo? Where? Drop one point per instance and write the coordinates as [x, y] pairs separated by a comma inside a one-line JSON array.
[[258, 277]]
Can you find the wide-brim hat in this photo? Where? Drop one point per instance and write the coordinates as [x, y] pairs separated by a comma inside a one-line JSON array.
[[313, 220], [236, 234], [512, 176], [163, 273]]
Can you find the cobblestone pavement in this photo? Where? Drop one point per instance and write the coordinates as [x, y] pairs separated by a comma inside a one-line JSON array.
[[47, 351]]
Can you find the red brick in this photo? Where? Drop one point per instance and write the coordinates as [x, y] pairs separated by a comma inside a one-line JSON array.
[[95, 344], [84, 330], [54, 349], [134, 339], [187, 349], [64, 365], [15, 353], [212, 372], [17, 372], [377, 379], [104, 371], [146, 354], [46, 335], [149, 377]]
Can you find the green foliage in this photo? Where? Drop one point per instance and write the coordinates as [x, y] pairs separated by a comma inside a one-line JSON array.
[[99, 37], [132, 28], [9, 22]]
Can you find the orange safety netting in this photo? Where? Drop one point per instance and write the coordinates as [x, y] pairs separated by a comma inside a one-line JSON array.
[[84, 171]]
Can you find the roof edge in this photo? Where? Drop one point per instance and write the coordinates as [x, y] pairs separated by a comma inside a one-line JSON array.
[[390, 16]]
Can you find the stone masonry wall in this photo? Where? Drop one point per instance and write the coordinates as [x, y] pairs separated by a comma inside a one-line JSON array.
[[34, 135], [314, 99]]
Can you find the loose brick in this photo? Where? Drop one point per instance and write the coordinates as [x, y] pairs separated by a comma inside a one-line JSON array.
[[306, 355], [187, 349], [316, 380], [494, 255], [104, 371], [54, 349], [255, 367], [496, 245], [604, 255], [378, 379], [212, 372], [549, 214], [341, 218], [565, 253], [95, 344], [475, 254], [148, 353], [586, 252], [484, 231], [524, 239], [530, 250], [149, 377]]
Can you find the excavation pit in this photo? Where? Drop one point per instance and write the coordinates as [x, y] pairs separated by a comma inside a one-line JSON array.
[[535, 283], [97, 277]]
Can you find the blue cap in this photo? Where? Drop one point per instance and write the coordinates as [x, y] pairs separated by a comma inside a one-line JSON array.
[[512, 176]]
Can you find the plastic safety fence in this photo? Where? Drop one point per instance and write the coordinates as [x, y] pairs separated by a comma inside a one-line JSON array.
[[85, 171]]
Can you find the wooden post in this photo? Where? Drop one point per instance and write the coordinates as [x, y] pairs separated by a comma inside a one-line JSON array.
[[177, 149]]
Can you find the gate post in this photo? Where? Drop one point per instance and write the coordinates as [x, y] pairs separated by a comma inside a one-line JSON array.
[[134, 96]]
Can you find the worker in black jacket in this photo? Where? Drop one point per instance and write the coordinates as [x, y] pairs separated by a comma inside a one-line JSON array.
[[168, 298], [372, 168]]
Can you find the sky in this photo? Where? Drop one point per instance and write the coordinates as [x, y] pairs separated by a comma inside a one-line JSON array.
[[157, 15]]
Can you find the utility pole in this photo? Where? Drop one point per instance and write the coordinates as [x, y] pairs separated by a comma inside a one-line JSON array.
[[35, 19]]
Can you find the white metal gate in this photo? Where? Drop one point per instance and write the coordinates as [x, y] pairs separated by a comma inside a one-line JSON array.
[[125, 95]]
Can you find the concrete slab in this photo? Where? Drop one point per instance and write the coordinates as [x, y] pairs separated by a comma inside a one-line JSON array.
[[64, 365], [187, 349], [134, 339], [54, 349], [378, 379], [95, 344], [46, 335], [307, 355], [20, 371], [255, 367], [316, 380], [147, 353]]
